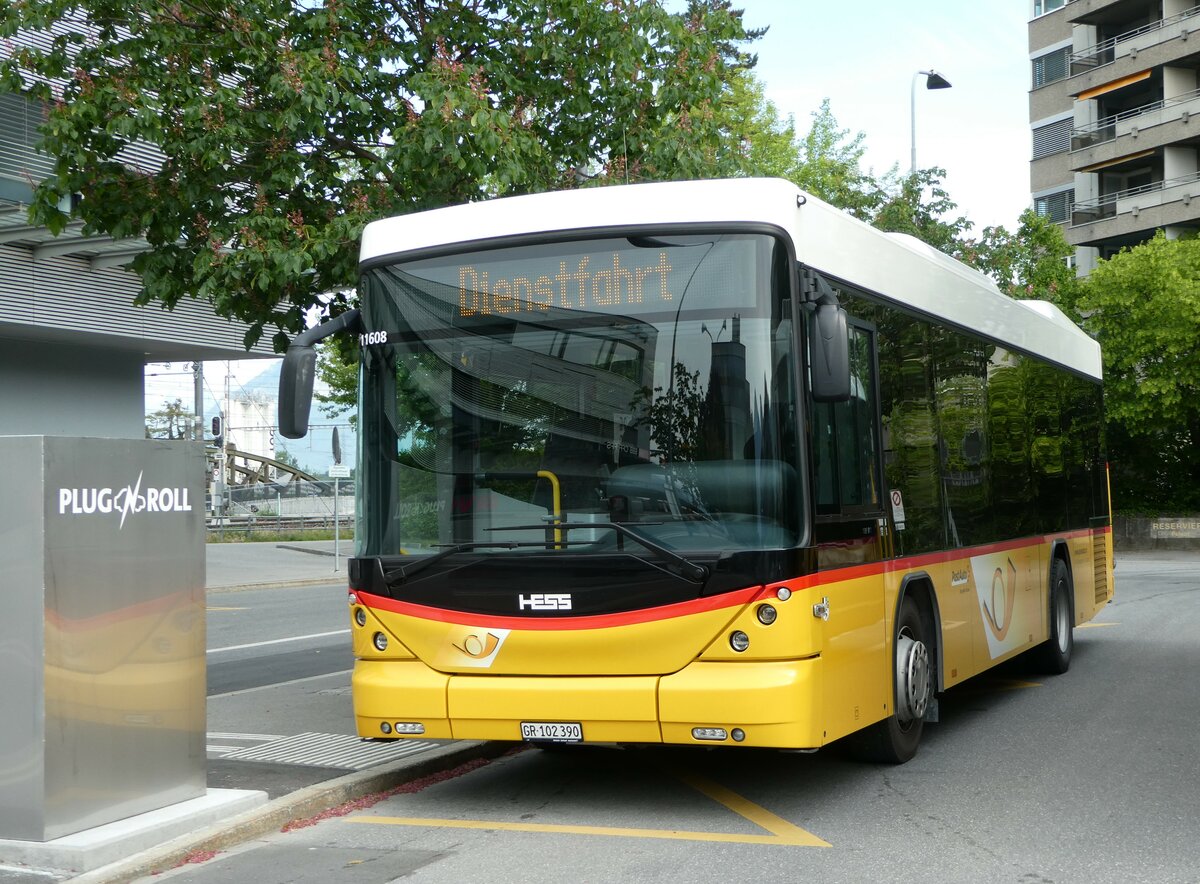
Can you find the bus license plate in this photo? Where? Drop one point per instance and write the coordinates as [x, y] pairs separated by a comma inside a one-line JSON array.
[[554, 731]]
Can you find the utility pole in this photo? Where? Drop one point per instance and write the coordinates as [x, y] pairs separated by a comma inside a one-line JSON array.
[[198, 405], [337, 525], [221, 456]]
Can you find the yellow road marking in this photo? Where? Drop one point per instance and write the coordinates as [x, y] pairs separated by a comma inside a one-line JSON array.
[[783, 833], [216, 608], [1095, 625], [760, 816], [611, 831], [1011, 684], [991, 685]]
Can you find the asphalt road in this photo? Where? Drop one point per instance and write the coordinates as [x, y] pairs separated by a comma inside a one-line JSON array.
[[279, 666], [267, 636], [1087, 777]]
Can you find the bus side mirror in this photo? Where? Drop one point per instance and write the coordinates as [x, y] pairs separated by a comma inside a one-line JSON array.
[[299, 371], [295, 390], [829, 352]]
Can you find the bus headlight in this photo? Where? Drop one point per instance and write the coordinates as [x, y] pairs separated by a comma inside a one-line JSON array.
[[380, 641], [738, 640]]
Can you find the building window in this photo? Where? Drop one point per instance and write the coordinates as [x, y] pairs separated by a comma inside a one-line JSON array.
[[1055, 206], [1051, 66], [1041, 7], [1054, 138]]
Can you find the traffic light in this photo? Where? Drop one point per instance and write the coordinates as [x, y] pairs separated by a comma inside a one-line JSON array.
[[216, 431]]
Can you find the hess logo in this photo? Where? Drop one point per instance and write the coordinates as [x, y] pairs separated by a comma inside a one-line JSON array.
[[544, 601]]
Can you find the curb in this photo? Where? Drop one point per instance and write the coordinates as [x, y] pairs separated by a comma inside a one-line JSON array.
[[338, 577], [273, 816]]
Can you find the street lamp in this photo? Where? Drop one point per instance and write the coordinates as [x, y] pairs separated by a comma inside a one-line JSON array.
[[933, 80]]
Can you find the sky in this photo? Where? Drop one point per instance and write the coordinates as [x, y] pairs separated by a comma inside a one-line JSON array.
[[252, 379], [862, 56]]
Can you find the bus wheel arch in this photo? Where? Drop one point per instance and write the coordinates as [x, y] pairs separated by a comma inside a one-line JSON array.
[[915, 676], [919, 588]]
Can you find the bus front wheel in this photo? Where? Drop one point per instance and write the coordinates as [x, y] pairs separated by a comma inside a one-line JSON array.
[[895, 739]]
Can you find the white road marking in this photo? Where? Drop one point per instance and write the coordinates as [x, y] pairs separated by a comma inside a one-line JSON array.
[[278, 641]]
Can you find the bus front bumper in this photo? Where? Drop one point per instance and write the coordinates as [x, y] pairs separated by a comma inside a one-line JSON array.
[[773, 703]]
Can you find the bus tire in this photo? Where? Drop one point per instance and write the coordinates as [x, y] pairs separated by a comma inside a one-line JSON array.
[[1054, 655], [895, 739]]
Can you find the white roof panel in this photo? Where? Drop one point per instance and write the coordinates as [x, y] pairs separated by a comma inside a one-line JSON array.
[[897, 267]]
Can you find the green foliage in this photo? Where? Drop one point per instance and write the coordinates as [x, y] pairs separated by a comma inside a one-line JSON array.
[[918, 206], [762, 143], [264, 533], [172, 421], [288, 459], [1143, 305], [1027, 263], [829, 166], [286, 125], [826, 161], [337, 367], [675, 416]]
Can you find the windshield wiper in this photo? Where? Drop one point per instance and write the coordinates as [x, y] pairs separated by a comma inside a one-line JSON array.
[[406, 571], [687, 569]]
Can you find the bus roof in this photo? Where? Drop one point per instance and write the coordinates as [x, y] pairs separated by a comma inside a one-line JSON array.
[[897, 267]]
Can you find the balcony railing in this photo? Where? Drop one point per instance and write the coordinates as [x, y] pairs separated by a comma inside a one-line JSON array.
[[1105, 51], [1105, 129], [1087, 211]]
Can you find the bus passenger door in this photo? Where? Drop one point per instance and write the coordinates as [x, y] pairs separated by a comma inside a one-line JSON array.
[[849, 530], [850, 526]]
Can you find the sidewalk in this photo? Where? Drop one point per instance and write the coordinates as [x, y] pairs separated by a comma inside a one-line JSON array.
[[309, 803], [231, 566], [293, 791]]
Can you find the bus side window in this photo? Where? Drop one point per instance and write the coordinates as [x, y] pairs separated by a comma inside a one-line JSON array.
[[845, 438]]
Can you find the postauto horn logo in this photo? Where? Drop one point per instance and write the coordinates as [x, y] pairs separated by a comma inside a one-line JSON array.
[[126, 501]]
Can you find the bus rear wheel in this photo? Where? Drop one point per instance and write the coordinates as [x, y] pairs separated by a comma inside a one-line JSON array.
[[1054, 655], [895, 739]]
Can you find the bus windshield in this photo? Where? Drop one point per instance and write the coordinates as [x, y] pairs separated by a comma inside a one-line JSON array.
[[580, 397]]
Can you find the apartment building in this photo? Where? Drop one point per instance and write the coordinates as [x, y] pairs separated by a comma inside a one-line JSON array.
[[1114, 106]]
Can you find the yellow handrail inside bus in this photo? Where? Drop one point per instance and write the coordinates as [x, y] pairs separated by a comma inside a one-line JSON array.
[[556, 493]]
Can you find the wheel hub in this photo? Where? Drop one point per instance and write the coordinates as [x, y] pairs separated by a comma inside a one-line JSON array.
[[1062, 616], [912, 678]]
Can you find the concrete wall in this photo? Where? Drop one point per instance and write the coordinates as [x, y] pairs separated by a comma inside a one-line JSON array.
[[1145, 532], [76, 390]]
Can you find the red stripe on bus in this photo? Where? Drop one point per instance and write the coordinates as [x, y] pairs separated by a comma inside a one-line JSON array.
[[590, 621], [710, 603]]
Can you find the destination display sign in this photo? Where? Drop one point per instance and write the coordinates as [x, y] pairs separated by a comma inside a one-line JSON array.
[[579, 284], [611, 276]]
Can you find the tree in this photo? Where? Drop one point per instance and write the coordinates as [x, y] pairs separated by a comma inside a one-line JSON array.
[[761, 143], [337, 368], [1028, 263], [918, 206], [288, 459], [830, 167], [284, 125], [1143, 305], [826, 161], [172, 421]]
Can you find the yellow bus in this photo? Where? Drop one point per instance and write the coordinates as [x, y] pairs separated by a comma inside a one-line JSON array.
[[705, 463]]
